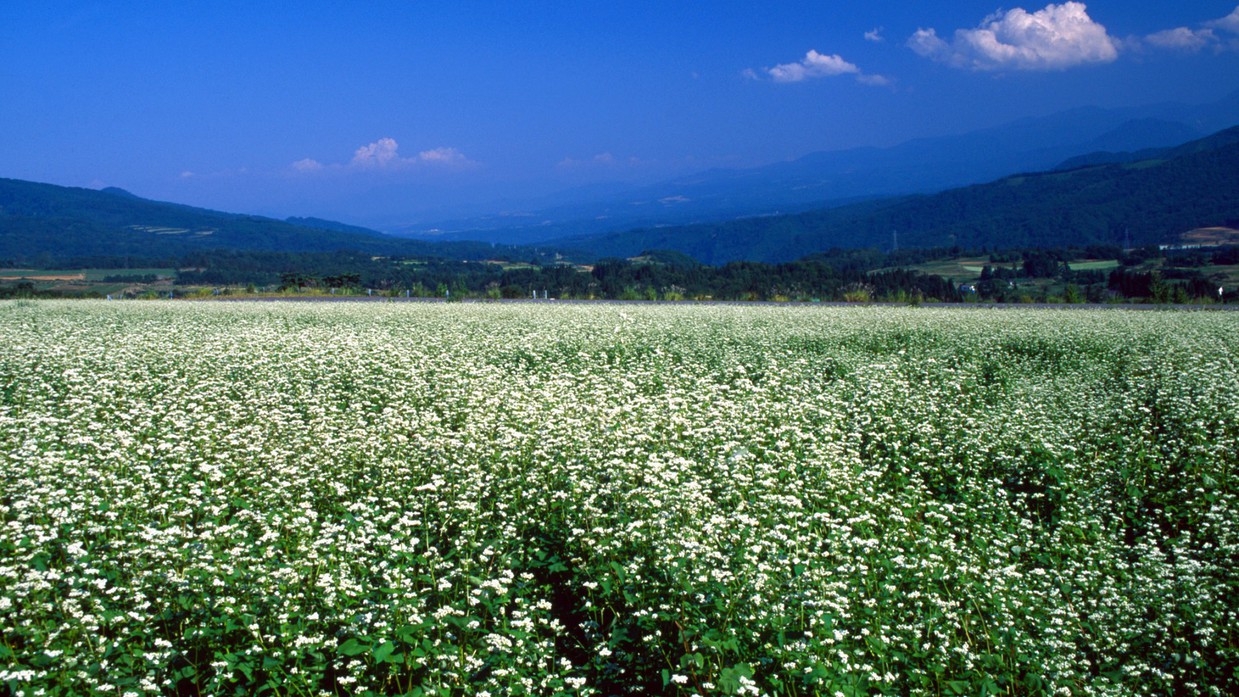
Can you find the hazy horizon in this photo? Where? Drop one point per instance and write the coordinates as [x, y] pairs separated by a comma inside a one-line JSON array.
[[386, 109]]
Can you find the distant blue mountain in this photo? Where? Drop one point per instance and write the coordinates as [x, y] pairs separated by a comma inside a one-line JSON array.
[[833, 178], [1153, 196]]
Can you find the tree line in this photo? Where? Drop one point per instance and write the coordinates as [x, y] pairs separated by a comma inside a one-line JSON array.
[[1013, 275]]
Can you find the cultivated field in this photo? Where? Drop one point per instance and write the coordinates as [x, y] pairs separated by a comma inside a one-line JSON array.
[[497, 500]]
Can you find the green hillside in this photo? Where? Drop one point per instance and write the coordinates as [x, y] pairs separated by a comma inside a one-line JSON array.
[[1148, 201], [44, 223]]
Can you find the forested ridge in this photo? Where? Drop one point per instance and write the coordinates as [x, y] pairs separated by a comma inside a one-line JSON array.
[[44, 224], [1148, 201]]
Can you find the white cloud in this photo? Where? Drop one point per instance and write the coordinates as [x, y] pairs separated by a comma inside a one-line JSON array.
[[1218, 35], [874, 35], [927, 43], [444, 156], [1054, 38], [813, 64], [384, 152], [1182, 38], [384, 155], [307, 165], [1229, 23]]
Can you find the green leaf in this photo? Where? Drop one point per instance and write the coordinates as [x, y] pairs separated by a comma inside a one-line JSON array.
[[382, 652], [958, 687], [352, 647]]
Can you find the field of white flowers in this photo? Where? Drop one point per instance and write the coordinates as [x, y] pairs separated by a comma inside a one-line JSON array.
[[601, 499]]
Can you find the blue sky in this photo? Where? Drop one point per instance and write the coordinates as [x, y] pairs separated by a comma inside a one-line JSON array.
[[373, 111]]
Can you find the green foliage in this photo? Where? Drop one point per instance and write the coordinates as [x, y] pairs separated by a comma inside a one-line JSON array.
[[644, 278]]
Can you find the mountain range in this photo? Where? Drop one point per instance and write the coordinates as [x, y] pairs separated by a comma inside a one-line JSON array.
[[1115, 185], [1152, 196], [829, 179]]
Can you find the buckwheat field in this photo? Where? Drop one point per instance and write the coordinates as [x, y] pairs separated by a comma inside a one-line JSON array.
[[453, 499]]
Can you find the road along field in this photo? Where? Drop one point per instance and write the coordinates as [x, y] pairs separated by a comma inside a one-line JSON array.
[[597, 499]]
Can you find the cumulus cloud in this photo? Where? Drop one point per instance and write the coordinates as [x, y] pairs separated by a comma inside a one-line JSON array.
[[1054, 38], [1218, 34], [384, 155], [1229, 23], [815, 65], [1182, 38], [874, 35], [384, 152], [927, 43], [307, 165]]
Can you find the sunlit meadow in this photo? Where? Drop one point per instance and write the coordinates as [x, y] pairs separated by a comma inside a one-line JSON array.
[[452, 499]]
